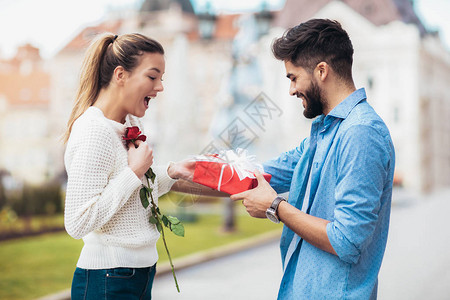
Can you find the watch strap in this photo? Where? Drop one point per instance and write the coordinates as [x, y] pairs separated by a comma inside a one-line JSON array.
[[276, 202]]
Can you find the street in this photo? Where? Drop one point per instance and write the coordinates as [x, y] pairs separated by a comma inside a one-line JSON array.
[[416, 265], [417, 260], [251, 274]]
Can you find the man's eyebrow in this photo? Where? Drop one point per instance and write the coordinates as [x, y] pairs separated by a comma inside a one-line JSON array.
[[289, 75], [155, 69]]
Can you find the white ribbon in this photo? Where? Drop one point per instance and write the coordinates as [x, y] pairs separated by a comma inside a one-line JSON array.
[[219, 184]]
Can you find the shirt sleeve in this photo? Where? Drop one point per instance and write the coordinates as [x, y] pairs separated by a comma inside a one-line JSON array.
[[362, 172], [282, 168], [92, 198]]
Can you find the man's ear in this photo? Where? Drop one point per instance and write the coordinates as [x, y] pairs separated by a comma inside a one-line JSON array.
[[322, 70], [119, 75]]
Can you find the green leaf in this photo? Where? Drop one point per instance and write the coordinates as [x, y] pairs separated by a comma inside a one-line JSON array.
[[159, 226], [144, 197], [151, 175], [177, 229], [173, 220], [165, 221], [153, 220]]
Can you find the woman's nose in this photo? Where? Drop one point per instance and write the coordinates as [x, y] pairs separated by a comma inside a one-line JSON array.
[[159, 87]]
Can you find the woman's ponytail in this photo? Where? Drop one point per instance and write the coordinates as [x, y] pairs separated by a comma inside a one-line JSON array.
[[89, 86]]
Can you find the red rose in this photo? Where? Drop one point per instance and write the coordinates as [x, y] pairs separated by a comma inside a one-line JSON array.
[[132, 134]]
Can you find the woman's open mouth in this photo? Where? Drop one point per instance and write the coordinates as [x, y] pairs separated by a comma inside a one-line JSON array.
[[146, 101]]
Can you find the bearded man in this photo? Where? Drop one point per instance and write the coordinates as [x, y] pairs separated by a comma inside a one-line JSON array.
[[339, 178]]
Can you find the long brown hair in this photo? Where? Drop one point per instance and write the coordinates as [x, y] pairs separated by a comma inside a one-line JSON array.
[[105, 53]]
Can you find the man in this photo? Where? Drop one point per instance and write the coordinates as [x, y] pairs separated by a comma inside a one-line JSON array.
[[339, 178]]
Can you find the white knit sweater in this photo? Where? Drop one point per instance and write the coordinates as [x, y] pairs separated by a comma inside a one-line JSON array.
[[102, 199]]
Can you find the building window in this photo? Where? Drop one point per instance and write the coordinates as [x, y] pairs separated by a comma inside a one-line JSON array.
[[370, 82], [44, 94], [26, 67], [25, 94], [396, 115]]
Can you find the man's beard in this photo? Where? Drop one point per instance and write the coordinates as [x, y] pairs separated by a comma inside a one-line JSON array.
[[314, 101]]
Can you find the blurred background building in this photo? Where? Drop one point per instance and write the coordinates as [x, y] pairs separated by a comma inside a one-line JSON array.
[[25, 147], [216, 73]]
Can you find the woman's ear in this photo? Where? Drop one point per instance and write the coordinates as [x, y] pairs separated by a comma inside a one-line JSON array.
[[119, 75], [322, 70]]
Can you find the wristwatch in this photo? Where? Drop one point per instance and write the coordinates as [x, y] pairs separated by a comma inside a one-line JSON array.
[[271, 212]]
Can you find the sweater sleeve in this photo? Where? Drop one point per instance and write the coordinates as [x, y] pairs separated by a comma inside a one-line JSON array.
[[163, 180], [93, 196]]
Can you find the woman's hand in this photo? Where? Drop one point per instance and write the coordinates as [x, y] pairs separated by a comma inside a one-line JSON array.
[[140, 157], [182, 170]]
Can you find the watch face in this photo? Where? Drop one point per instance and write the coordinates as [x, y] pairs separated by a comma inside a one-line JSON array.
[[270, 214]]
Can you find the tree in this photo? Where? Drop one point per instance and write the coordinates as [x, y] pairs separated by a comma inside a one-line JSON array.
[[3, 173]]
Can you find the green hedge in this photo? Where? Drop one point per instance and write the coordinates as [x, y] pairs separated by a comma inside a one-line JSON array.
[[46, 199]]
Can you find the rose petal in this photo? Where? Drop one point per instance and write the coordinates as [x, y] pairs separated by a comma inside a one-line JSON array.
[[132, 132], [142, 138]]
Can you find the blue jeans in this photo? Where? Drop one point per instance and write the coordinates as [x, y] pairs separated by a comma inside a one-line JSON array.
[[118, 283]]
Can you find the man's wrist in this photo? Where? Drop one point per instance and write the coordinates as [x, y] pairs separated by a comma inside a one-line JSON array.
[[272, 211]]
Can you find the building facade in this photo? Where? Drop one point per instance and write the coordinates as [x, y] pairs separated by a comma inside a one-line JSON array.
[[225, 84], [25, 139], [404, 70]]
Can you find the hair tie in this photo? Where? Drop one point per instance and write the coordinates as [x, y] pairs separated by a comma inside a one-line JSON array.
[[115, 37]]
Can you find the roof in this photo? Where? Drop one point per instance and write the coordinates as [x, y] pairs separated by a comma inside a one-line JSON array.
[[23, 80], [157, 5], [82, 40], [379, 12]]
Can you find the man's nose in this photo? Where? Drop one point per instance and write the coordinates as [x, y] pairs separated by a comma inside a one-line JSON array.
[[292, 90]]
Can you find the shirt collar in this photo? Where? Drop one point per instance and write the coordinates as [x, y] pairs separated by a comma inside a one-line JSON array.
[[345, 107]]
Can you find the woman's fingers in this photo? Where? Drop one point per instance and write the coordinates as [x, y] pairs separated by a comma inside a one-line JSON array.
[[140, 158]]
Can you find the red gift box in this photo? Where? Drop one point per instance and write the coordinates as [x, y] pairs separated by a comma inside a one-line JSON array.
[[223, 177]]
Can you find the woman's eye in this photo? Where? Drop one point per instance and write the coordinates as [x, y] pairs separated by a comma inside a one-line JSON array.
[[152, 78]]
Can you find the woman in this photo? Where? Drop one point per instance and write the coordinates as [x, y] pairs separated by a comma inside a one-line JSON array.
[[120, 75]]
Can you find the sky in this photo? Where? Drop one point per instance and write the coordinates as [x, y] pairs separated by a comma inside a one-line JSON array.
[[50, 24]]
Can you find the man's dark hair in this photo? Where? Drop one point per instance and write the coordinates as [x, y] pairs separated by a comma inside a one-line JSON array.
[[314, 41]]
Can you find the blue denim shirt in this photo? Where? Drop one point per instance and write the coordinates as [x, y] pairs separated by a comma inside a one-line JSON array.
[[351, 159]]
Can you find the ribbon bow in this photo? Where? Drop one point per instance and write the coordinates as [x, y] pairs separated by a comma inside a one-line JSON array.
[[239, 161]]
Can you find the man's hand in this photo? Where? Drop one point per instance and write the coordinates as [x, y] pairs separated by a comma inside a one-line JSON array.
[[257, 200]]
